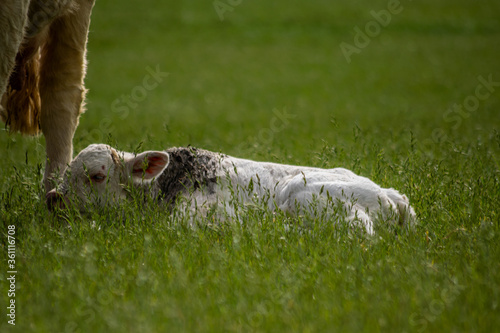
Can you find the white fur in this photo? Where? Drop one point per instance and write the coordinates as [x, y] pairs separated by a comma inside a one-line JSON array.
[[292, 189]]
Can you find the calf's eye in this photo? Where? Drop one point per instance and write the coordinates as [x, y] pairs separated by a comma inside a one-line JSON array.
[[98, 178]]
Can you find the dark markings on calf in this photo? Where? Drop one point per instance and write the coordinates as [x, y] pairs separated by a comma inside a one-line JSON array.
[[115, 157], [189, 169]]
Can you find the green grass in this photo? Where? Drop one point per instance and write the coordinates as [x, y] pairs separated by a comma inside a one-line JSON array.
[[383, 116]]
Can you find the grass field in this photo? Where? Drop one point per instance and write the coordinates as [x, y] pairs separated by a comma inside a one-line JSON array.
[[411, 108]]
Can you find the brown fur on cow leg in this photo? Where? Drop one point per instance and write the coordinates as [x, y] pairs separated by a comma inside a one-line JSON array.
[[42, 67], [3, 106], [23, 105], [62, 88]]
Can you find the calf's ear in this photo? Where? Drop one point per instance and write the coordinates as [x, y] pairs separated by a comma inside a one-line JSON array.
[[147, 165]]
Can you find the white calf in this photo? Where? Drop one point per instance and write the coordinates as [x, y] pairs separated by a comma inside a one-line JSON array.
[[100, 174]]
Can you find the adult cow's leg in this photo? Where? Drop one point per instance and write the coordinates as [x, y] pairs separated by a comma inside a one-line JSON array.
[[61, 86], [13, 15]]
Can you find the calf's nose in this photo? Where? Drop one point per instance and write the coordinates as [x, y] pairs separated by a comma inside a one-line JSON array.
[[54, 200]]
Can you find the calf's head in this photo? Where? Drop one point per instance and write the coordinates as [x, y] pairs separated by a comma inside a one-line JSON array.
[[99, 175]]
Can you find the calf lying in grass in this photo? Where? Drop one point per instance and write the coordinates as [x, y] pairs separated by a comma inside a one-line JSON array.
[[101, 175]]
